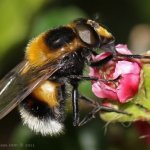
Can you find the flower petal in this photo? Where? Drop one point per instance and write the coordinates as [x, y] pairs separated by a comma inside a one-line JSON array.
[[122, 49], [101, 56], [126, 67], [128, 87], [101, 90]]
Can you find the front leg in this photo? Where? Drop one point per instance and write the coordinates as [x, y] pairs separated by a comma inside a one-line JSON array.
[[81, 77], [87, 78]]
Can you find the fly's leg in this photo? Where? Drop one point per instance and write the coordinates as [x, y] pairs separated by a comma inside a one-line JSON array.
[[133, 56], [97, 108], [75, 104]]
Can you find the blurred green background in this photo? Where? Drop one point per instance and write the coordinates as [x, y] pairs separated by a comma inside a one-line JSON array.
[[20, 21]]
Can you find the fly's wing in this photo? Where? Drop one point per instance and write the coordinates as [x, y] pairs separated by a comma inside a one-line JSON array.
[[16, 85]]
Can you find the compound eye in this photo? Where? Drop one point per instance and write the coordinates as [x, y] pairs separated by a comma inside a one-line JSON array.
[[88, 35]]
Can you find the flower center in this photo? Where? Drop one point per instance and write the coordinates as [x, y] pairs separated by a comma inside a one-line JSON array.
[[106, 73]]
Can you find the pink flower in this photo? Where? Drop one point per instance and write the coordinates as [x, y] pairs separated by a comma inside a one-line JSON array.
[[125, 71]]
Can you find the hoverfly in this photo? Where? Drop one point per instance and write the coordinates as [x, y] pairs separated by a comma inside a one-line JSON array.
[[52, 59]]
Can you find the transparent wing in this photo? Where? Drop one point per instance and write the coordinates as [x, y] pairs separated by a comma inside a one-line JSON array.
[[20, 82]]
